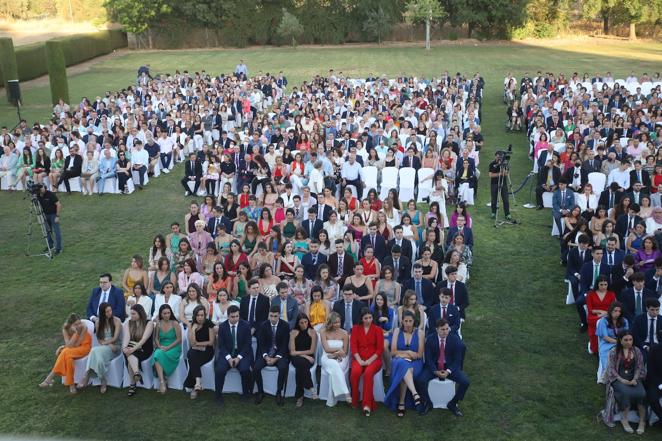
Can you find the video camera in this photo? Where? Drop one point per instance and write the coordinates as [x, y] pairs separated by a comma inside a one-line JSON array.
[[504, 155], [33, 188]]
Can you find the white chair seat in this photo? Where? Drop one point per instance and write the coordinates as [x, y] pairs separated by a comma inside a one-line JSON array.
[[115, 374], [547, 199], [291, 385], [389, 181], [370, 177], [74, 185], [441, 392], [136, 177]]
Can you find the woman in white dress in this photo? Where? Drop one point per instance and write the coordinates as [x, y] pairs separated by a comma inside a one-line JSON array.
[[334, 227], [439, 192], [587, 200], [168, 296], [219, 309], [139, 297], [335, 359]]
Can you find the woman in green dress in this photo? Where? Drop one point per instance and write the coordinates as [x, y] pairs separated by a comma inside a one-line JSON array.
[[300, 244], [351, 246], [56, 168], [167, 344], [109, 344], [289, 225]]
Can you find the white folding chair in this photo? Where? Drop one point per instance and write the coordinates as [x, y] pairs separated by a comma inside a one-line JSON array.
[[157, 168], [547, 199], [370, 177], [389, 181], [74, 185], [324, 383], [291, 384], [201, 191], [109, 186], [115, 373], [598, 181], [465, 193], [441, 392], [407, 183], [135, 176], [377, 387], [177, 378], [425, 185], [208, 376]]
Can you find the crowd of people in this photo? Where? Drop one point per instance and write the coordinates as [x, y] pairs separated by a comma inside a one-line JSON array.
[[585, 131], [287, 251]]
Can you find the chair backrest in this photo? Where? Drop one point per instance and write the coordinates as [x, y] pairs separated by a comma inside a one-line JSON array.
[[598, 181], [90, 328], [390, 177], [370, 176], [422, 174], [407, 177]]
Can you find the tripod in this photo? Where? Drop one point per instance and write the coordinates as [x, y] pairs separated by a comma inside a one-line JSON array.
[[36, 213], [504, 180]]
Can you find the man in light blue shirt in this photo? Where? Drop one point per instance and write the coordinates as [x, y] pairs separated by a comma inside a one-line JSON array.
[[107, 169], [241, 69], [352, 174]]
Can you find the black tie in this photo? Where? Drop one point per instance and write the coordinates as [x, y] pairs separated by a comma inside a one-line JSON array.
[[651, 332], [251, 313]]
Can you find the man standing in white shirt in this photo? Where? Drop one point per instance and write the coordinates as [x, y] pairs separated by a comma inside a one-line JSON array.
[[139, 161]]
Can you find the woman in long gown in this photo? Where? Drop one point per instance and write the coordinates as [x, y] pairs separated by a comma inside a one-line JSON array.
[[201, 348], [137, 344], [367, 344], [597, 305], [335, 358], [168, 345], [407, 348], [607, 329], [108, 331], [303, 346]]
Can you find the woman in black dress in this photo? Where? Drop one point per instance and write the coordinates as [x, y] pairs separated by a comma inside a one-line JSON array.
[[201, 341], [303, 346], [137, 344]]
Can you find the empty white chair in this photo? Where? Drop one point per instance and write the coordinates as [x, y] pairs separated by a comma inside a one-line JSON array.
[[547, 199], [157, 168], [407, 183], [425, 185], [389, 181], [598, 181], [201, 190], [441, 392], [370, 178]]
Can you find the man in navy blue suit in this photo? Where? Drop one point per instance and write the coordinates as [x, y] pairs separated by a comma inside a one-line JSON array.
[[563, 200], [375, 240], [422, 287], [273, 338], [654, 277], [588, 276], [647, 327], [577, 257], [612, 256], [312, 260], [444, 357], [312, 226], [254, 308], [106, 292], [634, 299], [444, 310], [458, 290], [217, 220], [460, 229], [233, 350]]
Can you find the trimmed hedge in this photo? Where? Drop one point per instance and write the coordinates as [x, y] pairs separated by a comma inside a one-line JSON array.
[[31, 59], [7, 62], [57, 71]]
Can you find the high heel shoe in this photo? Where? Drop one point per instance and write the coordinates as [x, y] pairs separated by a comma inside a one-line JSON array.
[[401, 410], [46, 383], [641, 428]]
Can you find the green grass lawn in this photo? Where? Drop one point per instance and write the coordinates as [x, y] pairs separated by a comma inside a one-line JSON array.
[[531, 376]]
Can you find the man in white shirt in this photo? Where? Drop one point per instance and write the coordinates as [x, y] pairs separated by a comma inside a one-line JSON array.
[[139, 161], [621, 175], [352, 174]]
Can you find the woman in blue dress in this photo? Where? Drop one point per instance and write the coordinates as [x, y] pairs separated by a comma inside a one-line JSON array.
[[606, 330], [384, 318], [407, 348]]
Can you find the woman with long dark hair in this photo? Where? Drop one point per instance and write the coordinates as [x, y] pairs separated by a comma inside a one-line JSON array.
[[201, 348], [303, 347], [607, 329], [137, 344], [168, 345]]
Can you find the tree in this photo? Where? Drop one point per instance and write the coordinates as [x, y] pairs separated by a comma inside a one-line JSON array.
[[138, 16], [425, 11], [377, 23], [57, 71], [8, 64], [289, 27], [493, 18], [207, 13], [599, 8], [634, 12]]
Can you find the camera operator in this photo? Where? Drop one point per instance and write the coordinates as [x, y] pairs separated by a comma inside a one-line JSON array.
[[51, 207], [498, 175]]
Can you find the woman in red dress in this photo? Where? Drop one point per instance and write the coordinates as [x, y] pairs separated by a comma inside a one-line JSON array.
[[597, 305], [371, 266], [244, 197], [367, 345], [266, 223], [350, 200], [233, 260], [375, 203]]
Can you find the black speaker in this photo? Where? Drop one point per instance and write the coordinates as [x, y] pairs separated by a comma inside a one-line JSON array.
[[14, 92]]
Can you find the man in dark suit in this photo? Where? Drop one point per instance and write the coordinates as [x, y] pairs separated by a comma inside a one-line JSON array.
[[621, 275], [234, 349], [637, 193], [612, 256], [286, 304], [640, 175], [411, 160], [444, 310], [193, 173], [626, 222], [73, 166], [634, 299], [545, 156], [654, 277], [346, 304], [377, 242], [312, 226], [322, 210], [424, 289], [254, 307], [218, 219], [107, 293], [312, 260], [404, 244], [611, 196], [577, 257], [401, 264], [341, 264], [563, 200], [548, 179], [459, 291], [654, 379], [444, 357], [576, 176], [462, 229], [647, 327], [591, 164], [273, 339]]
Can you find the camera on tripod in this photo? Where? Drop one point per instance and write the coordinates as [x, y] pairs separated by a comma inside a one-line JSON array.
[[33, 188], [503, 156]]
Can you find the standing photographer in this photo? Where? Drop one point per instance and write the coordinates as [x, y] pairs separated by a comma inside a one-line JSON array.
[[498, 184], [51, 207]]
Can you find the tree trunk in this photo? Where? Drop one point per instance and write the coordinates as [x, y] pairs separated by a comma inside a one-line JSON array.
[[470, 29], [633, 31], [605, 24], [427, 34], [207, 36], [149, 39]]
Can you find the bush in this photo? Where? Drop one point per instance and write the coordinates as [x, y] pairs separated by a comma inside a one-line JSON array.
[[8, 69], [31, 61], [57, 71], [452, 36]]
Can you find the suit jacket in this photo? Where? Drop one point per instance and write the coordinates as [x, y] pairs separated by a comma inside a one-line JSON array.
[[461, 295], [654, 368], [544, 157], [414, 162], [404, 272], [459, 166], [569, 175], [261, 310], [223, 220], [617, 281], [587, 275], [627, 299], [637, 200], [645, 179], [115, 298], [604, 198], [380, 245], [567, 203], [621, 226], [651, 283], [348, 267], [544, 171], [357, 305], [596, 167], [406, 248], [641, 327], [244, 341], [292, 309], [327, 212], [265, 338], [195, 170], [454, 352], [452, 315], [310, 268], [317, 227], [77, 164], [427, 290], [575, 261], [466, 232]]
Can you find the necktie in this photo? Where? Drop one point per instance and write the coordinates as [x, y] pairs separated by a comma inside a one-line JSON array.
[[234, 340], [251, 312], [340, 265], [637, 303], [272, 352], [311, 223], [372, 239], [581, 253], [651, 332], [348, 317], [396, 268], [320, 213], [563, 199], [657, 285], [630, 222], [452, 293], [419, 294], [443, 314], [611, 200], [296, 212], [441, 360], [314, 259], [102, 299], [596, 274], [283, 309], [610, 259]]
